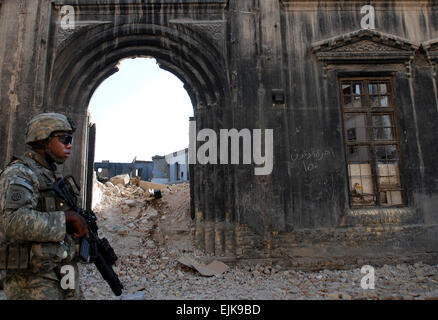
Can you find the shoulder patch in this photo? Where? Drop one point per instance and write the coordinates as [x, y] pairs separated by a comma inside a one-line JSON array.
[[17, 196], [22, 182]]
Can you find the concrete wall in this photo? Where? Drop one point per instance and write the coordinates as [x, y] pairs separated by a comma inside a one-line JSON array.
[[178, 166], [144, 170], [160, 170]]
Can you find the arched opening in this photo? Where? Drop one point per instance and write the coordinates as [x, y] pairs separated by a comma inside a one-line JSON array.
[[91, 54], [140, 112]]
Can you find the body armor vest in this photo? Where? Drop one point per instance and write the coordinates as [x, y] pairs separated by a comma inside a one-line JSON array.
[[18, 256], [47, 200]]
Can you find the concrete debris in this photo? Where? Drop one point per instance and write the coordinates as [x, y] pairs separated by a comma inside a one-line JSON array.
[[109, 185], [122, 179], [146, 185], [131, 203], [135, 296], [215, 268], [98, 188], [135, 181]]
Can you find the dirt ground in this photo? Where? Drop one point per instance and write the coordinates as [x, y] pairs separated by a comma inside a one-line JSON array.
[[150, 235]]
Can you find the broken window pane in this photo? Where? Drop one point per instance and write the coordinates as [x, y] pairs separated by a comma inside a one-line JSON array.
[[347, 102], [387, 153], [391, 198], [383, 88], [389, 177], [357, 88], [356, 121], [357, 103], [351, 134], [361, 182], [394, 198], [382, 127], [358, 154], [374, 101], [382, 121], [346, 89], [383, 134], [372, 88], [383, 198]]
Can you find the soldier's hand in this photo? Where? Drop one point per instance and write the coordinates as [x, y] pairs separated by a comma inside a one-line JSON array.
[[75, 222]]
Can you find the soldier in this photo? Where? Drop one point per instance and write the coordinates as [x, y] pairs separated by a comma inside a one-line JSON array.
[[38, 233]]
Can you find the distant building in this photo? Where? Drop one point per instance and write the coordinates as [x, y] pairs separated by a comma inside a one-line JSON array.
[[105, 170], [178, 165], [171, 168]]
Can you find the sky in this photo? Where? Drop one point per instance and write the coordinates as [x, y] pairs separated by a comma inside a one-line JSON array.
[[140, 111]]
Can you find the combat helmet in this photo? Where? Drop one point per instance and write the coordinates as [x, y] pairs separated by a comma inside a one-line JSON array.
[[43, 125]]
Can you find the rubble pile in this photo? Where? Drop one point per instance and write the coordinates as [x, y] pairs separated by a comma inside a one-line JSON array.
[[147, 233], [151, 235], [156, 260]]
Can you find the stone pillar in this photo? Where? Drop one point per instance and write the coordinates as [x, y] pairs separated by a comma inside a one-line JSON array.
[[257, 78], [24, 34]]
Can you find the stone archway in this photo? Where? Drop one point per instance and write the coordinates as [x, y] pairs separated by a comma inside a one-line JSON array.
[[91, 54]]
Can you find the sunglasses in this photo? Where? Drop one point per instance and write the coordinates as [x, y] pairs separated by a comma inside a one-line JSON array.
[[65, 139]]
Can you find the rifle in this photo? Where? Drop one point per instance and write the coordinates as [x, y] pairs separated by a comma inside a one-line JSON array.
[[93, 249]]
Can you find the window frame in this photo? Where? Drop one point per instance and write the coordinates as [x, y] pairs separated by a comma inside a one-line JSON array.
[[370, 141]]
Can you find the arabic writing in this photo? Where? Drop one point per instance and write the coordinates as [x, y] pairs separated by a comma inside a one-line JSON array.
[[310, 158]]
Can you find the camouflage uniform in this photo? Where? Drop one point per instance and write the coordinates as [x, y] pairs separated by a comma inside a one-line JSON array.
[[34, 243]]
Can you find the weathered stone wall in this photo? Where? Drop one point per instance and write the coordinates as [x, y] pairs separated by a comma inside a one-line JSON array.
[[251, 64]]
